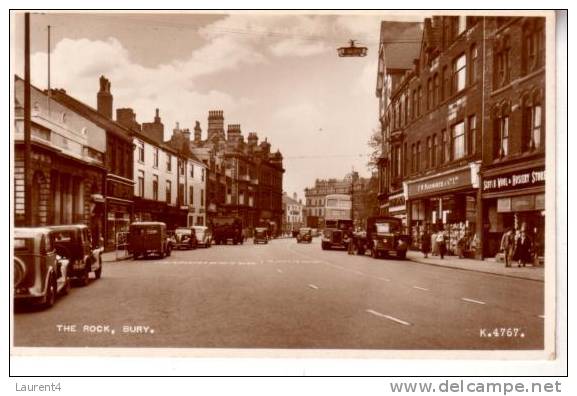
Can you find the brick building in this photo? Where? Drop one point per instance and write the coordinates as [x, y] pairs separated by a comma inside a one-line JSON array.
[[244, 177], [469, 108]]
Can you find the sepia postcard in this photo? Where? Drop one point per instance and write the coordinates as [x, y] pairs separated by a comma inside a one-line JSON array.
[[283, 183]]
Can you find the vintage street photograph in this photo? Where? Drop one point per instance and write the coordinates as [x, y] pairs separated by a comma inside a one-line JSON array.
[[358, 181]]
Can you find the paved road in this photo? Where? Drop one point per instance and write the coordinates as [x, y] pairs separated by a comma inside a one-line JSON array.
[[289, 295]]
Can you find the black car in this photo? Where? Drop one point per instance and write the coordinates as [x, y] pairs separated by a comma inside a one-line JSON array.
[[74, 243], [260, 235], [305, 234]]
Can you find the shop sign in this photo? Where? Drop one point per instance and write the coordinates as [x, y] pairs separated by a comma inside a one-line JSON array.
[[515, 180], [438, 184], [397, 203]]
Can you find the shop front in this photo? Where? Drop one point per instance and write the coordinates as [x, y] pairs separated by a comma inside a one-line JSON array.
[[446, 202], [514, 198]]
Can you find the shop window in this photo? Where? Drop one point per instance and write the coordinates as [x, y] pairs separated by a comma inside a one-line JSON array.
[[155, 187], [472, 135], [459, 73], [458, 140], [140, 185]]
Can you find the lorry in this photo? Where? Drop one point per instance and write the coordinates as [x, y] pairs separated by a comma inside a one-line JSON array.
[[383, 235], [225, 228]]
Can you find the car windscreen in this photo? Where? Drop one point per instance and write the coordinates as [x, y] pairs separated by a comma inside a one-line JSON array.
[[23, 244], [183, 232], [386, 228]]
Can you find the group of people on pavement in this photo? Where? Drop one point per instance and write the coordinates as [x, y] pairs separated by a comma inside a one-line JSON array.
[[438, 243], [440, 239], [517, 246]]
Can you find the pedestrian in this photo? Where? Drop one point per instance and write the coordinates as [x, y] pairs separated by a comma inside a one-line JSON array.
[[426, 243], [524, 251], [461, 246], [351, 246], [508, 245], [442, 243]]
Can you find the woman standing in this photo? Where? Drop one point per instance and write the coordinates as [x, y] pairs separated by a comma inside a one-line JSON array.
[[426, 243]]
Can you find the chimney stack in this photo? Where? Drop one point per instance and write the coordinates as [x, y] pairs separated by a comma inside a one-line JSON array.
[[186, 134], [104, 98], [127, 118], [197, 133], [154, 130], [252, 139], [216, 124]]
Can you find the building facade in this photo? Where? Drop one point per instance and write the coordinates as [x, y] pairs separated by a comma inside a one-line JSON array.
[[68, 171], [293, 213], [467, 113], [119, 188], [244, 178]]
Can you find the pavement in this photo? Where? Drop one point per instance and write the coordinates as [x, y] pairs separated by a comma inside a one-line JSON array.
[[489, 266], [288, 295]]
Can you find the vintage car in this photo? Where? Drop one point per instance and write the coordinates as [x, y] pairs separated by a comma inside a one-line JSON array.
[[148, 237], [305, 234], [39, 273], [203, 236], [383, 235], [74, 242], [185, 238], [225, 228], [261, 235]]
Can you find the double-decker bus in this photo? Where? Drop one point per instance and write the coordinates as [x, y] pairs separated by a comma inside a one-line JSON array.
[[337, 210]]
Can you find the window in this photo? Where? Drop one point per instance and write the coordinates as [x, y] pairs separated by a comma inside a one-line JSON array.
[[140, 145], [461, 24], [140, 184], [502, 136], [191, 195], [414, 106], [181, 196], [429, 156], [446, 146], [502, 62], [474, 70], [192, 170], [181, 166], [405, 160], [458, 143], [155, 157], [434, 151], [155, 187], [168, 192], [472, 135], [413, 158], [168, 162], [459, 73], [419, 153], [437, 89], [430, 94], [419, 101], [202, 174], [201, 197], [446, 84], [532, 45], [407, 108], [531, 137]]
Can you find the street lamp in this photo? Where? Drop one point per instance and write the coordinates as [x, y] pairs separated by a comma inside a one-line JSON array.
[[352, 50]]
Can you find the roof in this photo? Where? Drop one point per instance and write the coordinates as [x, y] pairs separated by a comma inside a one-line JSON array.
[[401, 42], [67, 227], [30, 231], [289, 201]]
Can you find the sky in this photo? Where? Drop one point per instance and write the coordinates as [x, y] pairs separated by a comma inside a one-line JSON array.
[[275, 74]]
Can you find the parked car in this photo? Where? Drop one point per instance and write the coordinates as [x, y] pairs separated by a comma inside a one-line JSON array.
[[74, 242], [148, 237], [39, 273], [305, 234], [185, 238], [261, 235], [203, 236]]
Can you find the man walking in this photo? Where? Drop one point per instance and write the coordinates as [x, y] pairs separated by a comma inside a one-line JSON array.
[[507, 245]]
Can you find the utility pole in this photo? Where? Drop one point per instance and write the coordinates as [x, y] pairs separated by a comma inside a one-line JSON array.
[[27, 126]]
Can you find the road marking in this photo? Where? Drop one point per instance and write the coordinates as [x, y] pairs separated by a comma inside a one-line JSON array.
[[420, 288], [392, 318], [313, 286], [472, 301], [279, 271]]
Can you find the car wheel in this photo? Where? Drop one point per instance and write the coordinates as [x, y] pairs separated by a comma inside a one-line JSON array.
[[402, 254], [51, 290]]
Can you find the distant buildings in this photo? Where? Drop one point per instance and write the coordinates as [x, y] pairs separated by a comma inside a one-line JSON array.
[[293, 213], [464, 113]]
